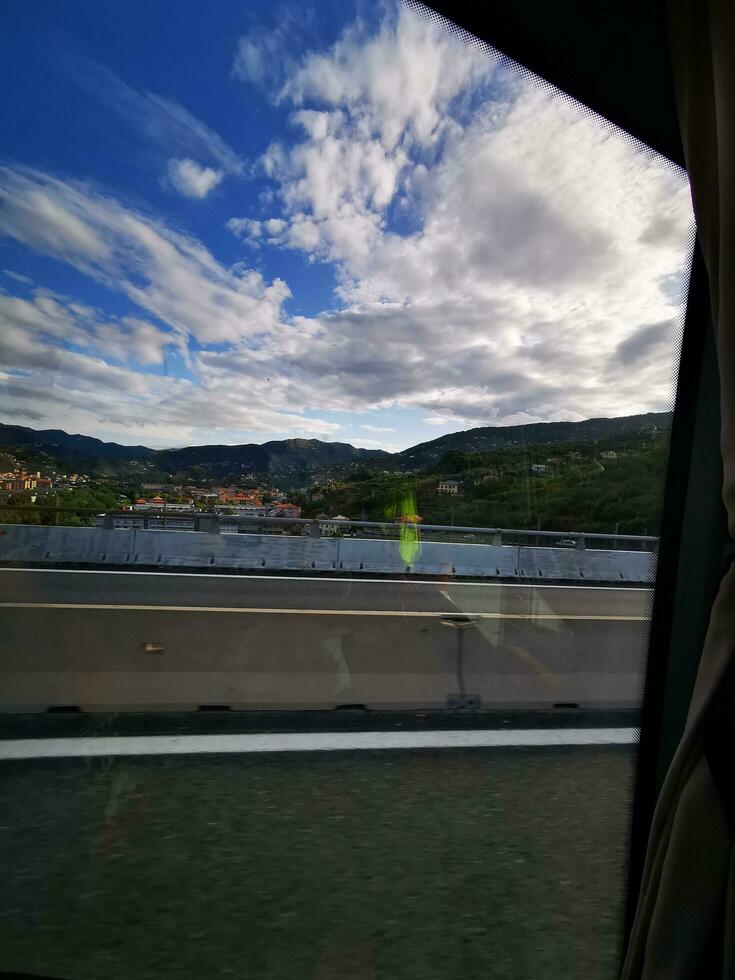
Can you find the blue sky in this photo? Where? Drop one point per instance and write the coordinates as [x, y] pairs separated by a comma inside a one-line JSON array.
[[255, 221]]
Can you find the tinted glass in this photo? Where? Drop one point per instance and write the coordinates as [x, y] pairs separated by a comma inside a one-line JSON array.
[[338, 357]]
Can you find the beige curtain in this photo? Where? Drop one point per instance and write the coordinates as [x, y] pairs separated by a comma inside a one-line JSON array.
[[687, 899]]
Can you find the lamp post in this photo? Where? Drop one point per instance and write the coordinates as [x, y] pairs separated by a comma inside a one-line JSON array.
[[459, 624]]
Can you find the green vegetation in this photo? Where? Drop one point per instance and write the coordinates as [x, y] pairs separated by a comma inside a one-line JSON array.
[[41, 510], [607, 485], [580, 489]]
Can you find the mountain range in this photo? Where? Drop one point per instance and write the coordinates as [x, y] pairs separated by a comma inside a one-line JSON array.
[[299, 458]]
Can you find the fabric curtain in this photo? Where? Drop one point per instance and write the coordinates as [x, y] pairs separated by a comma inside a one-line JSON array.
[[686, 907]]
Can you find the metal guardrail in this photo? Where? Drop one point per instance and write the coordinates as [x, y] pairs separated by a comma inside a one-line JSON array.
[[211, 523]]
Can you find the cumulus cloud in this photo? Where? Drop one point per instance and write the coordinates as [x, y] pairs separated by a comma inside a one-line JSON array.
[[401, 82], [191, 180], [540, 248], [80, 383], [245, 228], [500, 257], [365, 107]]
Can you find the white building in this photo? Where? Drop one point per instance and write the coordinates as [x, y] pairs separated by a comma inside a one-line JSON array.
[[241, 511], [448, 486], [332, 530], [169, 508]]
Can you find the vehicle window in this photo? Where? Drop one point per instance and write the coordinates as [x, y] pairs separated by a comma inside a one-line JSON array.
[[338, 356]]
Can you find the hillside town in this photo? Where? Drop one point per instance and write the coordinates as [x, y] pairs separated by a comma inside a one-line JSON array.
[[19, 480], [592, 484]]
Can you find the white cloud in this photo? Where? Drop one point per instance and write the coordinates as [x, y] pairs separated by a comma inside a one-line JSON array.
[[44, 381], [260, 58], [274, 226], [48, 319], [264, 55], [509, 264], [387, 447], [377, 428], [18, 277], [244, 227], [375, 101], [160, 121], [171, 276], [401, 82], [191, 180], [534, 283]]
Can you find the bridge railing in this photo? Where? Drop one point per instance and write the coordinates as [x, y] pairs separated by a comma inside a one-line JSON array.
[[203, 521]]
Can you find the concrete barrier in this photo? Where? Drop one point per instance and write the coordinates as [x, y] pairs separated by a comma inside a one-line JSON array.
[[96, 659], [136, 547]]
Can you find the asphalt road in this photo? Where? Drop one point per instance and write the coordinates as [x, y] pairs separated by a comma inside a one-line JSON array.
[[79, 639], [419, 865], [393, 864]]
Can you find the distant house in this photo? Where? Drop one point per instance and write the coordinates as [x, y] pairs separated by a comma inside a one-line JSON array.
[[609, 454], [241, 510], [331, 530], [539, 469], [286, 510], [246, 499], [448, 486]]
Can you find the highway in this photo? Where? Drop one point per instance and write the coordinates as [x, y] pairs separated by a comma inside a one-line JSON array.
[[267, 849], [107, 641]]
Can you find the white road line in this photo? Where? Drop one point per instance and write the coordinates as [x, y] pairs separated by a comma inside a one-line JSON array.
[[65, 748], [333, 579], [280, 611]]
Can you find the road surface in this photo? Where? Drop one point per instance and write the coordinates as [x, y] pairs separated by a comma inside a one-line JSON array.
[[107, 641]]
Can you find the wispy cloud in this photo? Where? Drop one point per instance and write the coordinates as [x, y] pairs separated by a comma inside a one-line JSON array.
[[171, 276], [18, 277], [164, 123]]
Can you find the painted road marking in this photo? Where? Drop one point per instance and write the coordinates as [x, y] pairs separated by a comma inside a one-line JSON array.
[[65, 748], [334, 580], [273, 611]]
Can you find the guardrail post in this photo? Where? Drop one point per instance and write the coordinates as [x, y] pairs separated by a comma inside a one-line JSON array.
[[209, 523], [108, 521], [497, 538], [581, 543], [315, 530]]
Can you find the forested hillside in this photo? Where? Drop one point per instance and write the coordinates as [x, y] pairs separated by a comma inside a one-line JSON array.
[[582, 488]]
